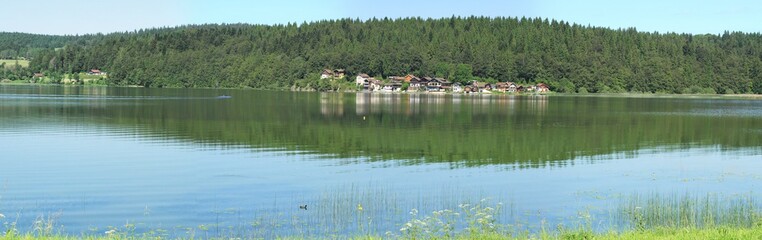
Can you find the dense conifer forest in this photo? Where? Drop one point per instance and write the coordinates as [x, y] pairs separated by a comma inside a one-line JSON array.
[[569, 57]]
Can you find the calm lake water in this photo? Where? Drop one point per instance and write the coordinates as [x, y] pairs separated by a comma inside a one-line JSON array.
[[178, 161]]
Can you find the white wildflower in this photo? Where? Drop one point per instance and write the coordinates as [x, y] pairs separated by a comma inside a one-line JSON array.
[[109, 232], [2, 216]]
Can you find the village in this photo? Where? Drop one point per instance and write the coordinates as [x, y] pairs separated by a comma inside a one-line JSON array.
[[412, 83]]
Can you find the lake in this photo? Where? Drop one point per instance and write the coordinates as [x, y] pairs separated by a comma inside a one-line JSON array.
[[178, 162]]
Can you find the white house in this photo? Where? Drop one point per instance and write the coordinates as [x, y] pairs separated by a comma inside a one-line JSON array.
[[362, 80], [457, 88]]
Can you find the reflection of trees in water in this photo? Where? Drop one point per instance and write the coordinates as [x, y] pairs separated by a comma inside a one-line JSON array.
[[462, 130]]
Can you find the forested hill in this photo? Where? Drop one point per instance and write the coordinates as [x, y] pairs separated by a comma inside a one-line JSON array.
[[569, 57], [15, 45]]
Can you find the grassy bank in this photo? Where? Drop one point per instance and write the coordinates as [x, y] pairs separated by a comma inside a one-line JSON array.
[[636, 217], [661, 233]]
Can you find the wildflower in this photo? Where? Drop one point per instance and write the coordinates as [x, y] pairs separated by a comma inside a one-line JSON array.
[[359, 207], [109, 232], [2, 216]]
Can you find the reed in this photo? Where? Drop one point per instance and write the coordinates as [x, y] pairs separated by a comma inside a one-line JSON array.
[[641, 212], [367, 212]]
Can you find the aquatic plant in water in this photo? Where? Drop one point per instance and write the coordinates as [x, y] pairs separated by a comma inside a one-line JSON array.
[[477, 219]]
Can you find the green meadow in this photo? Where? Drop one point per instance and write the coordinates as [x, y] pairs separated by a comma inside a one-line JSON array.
[[11, 63]]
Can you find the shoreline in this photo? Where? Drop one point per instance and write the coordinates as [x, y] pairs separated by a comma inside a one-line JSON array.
[[748, 96]]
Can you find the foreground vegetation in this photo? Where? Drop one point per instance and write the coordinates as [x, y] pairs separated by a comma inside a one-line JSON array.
[[661, 233], [569, 57], [639, 217]]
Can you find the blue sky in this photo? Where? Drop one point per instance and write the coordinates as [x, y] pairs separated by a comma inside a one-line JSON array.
[[105, 16]]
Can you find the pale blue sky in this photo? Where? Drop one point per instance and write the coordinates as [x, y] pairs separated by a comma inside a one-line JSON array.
[[105, 16]]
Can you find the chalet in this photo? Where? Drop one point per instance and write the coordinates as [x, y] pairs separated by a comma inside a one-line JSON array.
[[531, 88], [520, 89], [39, 75], [456, 87], [328, 73], [433, 86], [437, 84], [419, 84], [396, 78], [95, 72], [481, 87], [411, 78], [375, 85], [416, 83], [501, 86], [542, 88], [392, 86], [363, 80], [443, 81], [512, 87]]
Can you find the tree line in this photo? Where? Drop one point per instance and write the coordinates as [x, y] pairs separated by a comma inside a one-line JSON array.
[[569, 57], [25, 45]]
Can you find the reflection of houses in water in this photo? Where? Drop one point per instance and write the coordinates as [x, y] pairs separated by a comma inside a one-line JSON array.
[[414, 104], [409, 104], [479, 104], [507, 102], [537, 103], [362, 103], [366, 102], [332, 104], [456, 103], [95, 91], [434, 103]]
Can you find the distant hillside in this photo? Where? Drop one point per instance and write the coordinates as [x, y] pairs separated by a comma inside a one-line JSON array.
[[570, 57], [15, 45]]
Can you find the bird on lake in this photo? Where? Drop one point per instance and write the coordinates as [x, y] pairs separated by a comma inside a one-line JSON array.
[[303, 206]]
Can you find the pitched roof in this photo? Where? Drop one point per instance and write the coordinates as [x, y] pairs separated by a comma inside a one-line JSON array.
[[441, 80]]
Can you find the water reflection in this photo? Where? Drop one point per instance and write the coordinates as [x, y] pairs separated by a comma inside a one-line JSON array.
[[436, 104], [331, 104], [103, 155], [463, 130]]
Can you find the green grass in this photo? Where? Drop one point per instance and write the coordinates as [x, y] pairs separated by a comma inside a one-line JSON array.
[[11, 63], [660, 233], [654, 211], [640, 217]]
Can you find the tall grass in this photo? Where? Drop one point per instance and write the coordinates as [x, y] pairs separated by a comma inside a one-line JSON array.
[[367, 212], [686, 211]]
